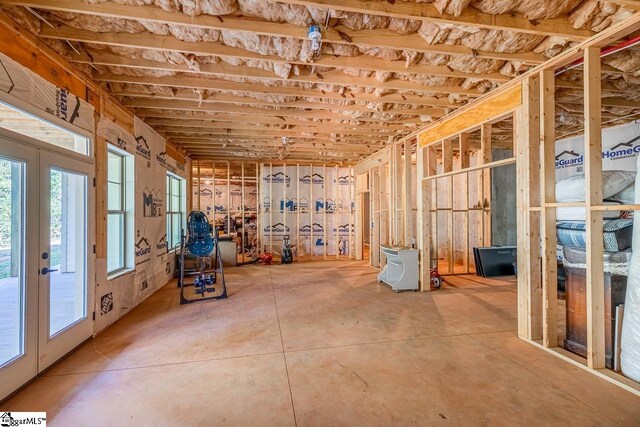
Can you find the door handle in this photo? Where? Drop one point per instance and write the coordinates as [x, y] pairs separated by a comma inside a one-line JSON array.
[[46, 270]]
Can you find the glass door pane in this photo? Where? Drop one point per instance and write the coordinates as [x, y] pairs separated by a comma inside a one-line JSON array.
[[12, 247], [68, 251]]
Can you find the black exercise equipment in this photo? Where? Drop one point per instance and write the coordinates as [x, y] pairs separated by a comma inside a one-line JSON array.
[[287, 251], [201, 244]]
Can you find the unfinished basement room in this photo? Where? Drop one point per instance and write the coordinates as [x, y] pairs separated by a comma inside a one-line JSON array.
[[319, 213]]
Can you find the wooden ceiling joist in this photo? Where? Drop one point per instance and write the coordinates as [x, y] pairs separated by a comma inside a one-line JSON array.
[[237, 136], [218, 49], [223, 85], [335, 77], [363, 134], [207, 142], [240, 100], [229, 108], [175, 113], [309, 149], [275, 136], [232, 123], [468, 17], [339, 35]]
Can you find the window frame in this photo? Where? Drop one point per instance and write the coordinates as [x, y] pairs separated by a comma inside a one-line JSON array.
[[182, 202], [123, 213]]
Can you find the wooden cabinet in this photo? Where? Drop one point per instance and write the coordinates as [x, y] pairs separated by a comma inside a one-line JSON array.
[[615, 287]]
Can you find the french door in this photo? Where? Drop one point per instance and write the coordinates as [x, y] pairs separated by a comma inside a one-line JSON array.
[[46, 259]]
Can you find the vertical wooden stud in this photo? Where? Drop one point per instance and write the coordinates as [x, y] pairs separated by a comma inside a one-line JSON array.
[[593, 197], [486, 157], [407, 192], [527, 131], [548, 214]]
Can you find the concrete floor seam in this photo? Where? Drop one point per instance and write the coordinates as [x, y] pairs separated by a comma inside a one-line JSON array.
[[284, 355], [461, 334], [160, 365], [545, 380]]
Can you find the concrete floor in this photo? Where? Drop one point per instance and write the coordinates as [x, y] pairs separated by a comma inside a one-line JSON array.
[[63, 300], [321, 343]]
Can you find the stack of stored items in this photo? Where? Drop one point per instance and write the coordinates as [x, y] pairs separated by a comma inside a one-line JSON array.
[[618, 188]]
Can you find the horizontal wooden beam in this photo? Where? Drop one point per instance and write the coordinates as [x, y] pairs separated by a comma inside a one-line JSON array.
[[223, 85], [190, 96], [275, 137], [241, 71], [202, 124], [469, 16], [338, 35], [302, 126], [237, 136], [262, 143], [172, 44], [310, 149], [490, 108], [176, 113], [363, 134], [333, 77], [229, 108]]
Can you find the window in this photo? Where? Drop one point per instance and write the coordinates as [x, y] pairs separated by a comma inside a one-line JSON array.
[[119, 210], [176, 207], [29, 125]]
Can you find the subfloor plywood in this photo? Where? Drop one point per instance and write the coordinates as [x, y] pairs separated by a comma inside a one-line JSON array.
[[322, 343]]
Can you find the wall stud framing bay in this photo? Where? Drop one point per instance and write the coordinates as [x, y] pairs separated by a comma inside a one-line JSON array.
[[271, 206], [284, 210], [396, 205], [297, 252], [486, 157], [338, 212], [376, 212], [353, 194], [548, 214], [465, 159], [359, 208], [324, 212]]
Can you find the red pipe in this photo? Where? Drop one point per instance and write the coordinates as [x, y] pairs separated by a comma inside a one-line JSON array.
[[605, 52]]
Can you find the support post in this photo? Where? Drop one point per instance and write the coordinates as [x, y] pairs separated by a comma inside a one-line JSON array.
[[486, 157], [407, 194], [548, 219], [593, 197], [527, 133], [447, 166]]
